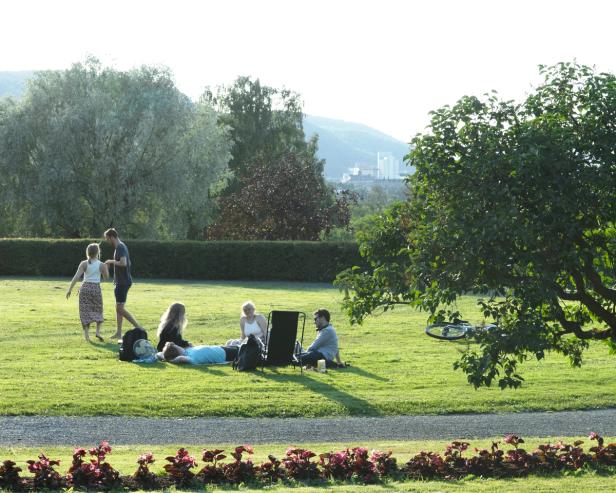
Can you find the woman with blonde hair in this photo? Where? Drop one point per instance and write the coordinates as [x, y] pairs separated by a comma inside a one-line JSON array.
[[90, 295], [251, 323], [172, 324]]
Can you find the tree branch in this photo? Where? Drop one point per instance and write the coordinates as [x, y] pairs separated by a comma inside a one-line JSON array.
[[592, 304], [576, 328]]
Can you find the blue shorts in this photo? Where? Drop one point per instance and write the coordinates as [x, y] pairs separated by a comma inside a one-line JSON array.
[[121, 291]]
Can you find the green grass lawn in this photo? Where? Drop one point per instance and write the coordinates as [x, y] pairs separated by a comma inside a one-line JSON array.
[[46, 368], [123, 458]]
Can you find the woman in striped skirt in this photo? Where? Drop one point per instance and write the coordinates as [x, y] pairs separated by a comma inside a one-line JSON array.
[[90, 295]]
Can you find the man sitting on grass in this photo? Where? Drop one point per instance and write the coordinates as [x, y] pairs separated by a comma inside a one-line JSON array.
[[198, 355], [325, 346]]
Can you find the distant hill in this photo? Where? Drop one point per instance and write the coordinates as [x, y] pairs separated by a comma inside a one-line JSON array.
[[341, 143], [14, 83]]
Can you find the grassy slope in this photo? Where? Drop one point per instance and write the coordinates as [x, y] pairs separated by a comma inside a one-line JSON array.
[[47, 368], [123, 458]]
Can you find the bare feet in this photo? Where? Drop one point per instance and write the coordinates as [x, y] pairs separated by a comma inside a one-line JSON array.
[[117, 335]]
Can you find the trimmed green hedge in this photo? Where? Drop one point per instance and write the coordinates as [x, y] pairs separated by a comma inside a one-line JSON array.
[[245, 260]]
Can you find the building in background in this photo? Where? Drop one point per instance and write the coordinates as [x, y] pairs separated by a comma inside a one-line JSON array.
[[388, 166]]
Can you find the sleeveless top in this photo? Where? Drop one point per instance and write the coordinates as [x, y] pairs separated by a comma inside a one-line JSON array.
[[93, 272], [252, 328]]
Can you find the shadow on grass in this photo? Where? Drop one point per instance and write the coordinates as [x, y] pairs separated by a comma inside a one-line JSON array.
[[363, 373], [354, 405]]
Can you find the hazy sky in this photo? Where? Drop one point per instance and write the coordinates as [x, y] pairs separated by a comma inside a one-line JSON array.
[[384, 63]]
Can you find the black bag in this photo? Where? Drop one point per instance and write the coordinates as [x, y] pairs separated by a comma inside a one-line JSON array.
[[126, 352], [249, 355]]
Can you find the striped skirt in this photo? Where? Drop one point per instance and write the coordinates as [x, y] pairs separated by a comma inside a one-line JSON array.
[[90, 303]]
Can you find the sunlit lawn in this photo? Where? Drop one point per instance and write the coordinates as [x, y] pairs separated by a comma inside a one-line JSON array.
[[123, 458], [47, 368]]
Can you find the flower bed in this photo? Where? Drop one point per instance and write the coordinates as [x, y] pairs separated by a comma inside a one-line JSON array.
[[90, 470]]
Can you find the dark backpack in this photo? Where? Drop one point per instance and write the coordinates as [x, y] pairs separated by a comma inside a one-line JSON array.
[[126, 352], [249, 355]]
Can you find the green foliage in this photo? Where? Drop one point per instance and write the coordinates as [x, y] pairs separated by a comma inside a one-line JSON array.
[[284, 199], [262, 260], [516, 201], [93, 147], [277, 190], [262, 120]]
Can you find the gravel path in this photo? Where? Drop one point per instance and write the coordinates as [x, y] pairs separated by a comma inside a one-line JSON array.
[[85, 431]]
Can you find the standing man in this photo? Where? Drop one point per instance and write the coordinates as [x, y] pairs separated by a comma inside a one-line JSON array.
[[325, 346], [121, 279]]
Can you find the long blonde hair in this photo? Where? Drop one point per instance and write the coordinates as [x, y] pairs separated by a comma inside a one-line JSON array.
[[93, 251], [175, 316]]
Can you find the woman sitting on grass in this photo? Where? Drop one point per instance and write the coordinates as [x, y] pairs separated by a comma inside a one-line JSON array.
[[172, 324], [90, 295], [198, 355], [251, 323]]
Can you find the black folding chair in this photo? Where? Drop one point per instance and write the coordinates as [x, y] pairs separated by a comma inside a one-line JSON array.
[[281, 337]]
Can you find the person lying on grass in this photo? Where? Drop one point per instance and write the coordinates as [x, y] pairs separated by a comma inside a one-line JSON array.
[[198, 355]]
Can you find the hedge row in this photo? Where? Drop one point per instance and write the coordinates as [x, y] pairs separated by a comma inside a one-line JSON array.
[[231, 260]]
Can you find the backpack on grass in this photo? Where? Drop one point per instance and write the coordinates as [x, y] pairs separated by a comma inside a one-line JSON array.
[[126, 352], [249, 355]]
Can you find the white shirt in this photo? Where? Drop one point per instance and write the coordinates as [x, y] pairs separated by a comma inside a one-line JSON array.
[[93, 272]]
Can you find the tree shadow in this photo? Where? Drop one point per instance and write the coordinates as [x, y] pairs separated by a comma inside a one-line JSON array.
[[363, 373], [355, 406]]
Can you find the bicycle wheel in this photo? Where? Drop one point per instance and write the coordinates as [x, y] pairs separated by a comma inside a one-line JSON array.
[[447, 331]]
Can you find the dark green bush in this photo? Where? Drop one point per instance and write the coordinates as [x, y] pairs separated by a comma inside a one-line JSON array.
[[232, 260]]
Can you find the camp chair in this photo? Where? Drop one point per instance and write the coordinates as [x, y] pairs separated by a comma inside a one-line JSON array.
[[281, 337]]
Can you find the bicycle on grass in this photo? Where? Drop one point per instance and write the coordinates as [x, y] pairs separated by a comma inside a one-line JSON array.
[[458, 329]]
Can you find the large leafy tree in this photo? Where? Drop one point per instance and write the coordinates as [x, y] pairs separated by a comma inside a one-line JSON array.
[[93, 147], [284, 199], [263, 121], [276, 189], [515, 201]]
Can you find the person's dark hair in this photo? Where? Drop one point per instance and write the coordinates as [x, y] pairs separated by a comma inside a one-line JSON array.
[[111, 233], [322, 312], [170, 351]]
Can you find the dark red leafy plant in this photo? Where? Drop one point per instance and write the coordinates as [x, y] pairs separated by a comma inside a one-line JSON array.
[[212, 471], [179, 468], [143, 476], [9, 476], [240, 471], [298, 465], [44, 474], [95, 474]]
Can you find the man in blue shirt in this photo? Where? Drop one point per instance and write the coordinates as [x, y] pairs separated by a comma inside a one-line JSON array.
[[325, 346], [121, 278]]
